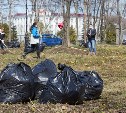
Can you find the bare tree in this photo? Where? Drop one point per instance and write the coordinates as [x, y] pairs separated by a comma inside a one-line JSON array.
[[76, 11], [1, 14], [119, 21], [33, 2], [10, 11], [66, 16], [96, 8], [10, 3], [85, 20], [102, 13]]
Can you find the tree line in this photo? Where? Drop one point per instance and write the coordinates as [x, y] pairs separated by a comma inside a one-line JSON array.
[[106, 14]]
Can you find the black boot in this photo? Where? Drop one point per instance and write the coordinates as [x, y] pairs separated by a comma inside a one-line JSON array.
[[38, 54]]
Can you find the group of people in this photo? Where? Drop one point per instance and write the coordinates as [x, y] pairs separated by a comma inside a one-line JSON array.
[[91, 32], [35, 36]]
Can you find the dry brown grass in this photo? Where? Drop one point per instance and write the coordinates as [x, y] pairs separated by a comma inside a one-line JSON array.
[[110, 63]]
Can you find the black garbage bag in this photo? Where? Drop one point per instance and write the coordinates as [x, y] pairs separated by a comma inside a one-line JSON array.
[[93, 85], [84, 44], [42, 72], [72, 87], [16, 83], [14, 44], [40, 47]]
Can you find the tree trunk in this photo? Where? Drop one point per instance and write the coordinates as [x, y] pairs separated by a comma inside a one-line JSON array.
[[88, 12], [76, 9], [85, 21], [119, 21], [102, 20], [66, 17], [10, 10]]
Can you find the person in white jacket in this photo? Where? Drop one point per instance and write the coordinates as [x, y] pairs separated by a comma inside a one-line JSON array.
[[34, 40]]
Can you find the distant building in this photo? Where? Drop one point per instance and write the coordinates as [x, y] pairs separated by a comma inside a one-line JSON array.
[[50, 21]]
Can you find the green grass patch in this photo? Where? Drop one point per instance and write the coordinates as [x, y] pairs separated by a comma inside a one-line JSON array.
[[110, 63]]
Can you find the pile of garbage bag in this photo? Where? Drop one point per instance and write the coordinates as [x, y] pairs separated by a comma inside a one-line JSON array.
[[19, 83], [72, 87], [16, 83], [42, 72], [13, 44]]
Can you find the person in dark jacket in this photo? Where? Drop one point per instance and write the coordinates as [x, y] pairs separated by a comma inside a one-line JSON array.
[[34, 41], [91, 32], [2, 37]]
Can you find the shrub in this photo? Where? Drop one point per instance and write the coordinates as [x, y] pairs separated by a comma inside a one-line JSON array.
[[111, 34], [6, 31], [72, 34]]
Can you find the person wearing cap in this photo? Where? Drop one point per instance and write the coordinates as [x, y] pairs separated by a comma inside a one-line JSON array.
[[91, 32]]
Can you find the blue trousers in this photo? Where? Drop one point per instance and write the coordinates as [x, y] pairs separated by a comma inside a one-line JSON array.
[[92, 45], [1, 45]]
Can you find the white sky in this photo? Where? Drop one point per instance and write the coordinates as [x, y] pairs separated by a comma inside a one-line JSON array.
[[21, 8]]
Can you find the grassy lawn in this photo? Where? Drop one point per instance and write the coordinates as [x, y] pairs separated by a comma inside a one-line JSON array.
[[110, 63]]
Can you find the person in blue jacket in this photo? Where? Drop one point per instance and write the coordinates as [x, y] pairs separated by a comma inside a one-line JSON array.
[[34, 30], [34, 41]]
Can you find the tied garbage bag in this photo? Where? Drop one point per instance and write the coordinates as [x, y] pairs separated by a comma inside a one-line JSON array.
[[40, 47], [42, 72], [72, 87], [93, 85], [14, 44], [16, 83], [32, 48]]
